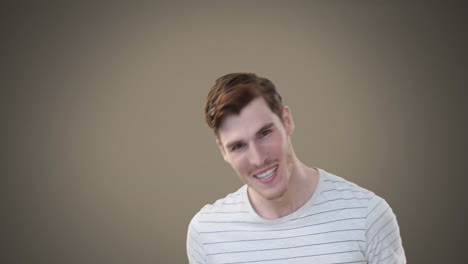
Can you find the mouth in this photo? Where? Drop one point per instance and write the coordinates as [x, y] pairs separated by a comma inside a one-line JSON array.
[[267, 174]]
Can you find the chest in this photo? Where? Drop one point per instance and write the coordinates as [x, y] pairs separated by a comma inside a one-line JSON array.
[[315, 240]]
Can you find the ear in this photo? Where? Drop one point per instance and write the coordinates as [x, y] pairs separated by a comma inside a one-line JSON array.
[[221, 148], [288, 120]]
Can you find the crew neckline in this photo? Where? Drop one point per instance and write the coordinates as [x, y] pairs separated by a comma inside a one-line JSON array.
[[295, 214]]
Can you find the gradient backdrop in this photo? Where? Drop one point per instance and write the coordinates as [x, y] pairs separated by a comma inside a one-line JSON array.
[[106, 156]]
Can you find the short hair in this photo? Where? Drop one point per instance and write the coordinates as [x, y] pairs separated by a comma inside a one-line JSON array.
[[234, 91]]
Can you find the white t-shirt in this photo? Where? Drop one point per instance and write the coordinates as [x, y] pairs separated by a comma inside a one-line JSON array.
[[341, 223]]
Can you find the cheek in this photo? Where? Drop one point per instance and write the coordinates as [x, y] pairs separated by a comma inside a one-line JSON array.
[[239, 164], [274, 146]]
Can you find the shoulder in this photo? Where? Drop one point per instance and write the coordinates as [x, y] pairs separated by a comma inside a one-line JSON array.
[[231, 206], [373, 214], [339, 192], [230, 201], [337, 188]]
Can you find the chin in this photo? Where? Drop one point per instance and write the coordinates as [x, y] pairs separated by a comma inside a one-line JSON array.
[[275, 195]]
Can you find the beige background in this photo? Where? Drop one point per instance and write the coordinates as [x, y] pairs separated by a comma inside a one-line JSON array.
[[106, 156]]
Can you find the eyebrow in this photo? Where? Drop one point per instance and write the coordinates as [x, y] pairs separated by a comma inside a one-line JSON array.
[[267, 126]]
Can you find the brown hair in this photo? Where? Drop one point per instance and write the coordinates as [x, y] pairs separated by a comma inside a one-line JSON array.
[[234, 91]]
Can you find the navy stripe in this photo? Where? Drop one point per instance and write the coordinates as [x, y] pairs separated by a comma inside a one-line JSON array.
[[284, 229], [249, 222], [374, 207], [269, 249], [340, 209], [195, 242], [347, 199], [389, 245], [343, 182], [357, 261], [340, 181], [196, 259], [279, 238], [391, 254], [376, 220], [370, 242], [341, 190], [200, 256], [196, 231], [380, 260], [305, 256]]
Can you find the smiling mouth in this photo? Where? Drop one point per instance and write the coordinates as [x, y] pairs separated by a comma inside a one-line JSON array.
[[267, 174]]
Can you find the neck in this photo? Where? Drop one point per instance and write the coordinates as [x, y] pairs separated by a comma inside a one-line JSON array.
[[301, 187]]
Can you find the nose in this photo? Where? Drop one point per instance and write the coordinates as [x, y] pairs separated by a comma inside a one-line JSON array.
[[256, 156]]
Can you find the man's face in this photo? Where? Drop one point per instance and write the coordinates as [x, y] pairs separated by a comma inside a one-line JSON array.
[[256, 144]]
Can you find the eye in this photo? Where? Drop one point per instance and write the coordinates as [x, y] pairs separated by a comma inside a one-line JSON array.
[[265, 132], [237, 146]]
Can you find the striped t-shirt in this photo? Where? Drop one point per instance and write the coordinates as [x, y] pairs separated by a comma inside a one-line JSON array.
[[341, 223]]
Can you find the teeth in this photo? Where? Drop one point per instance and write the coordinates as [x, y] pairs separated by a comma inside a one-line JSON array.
[[267, 173]]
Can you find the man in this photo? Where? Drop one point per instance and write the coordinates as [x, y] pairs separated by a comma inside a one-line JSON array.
[[286, 212]]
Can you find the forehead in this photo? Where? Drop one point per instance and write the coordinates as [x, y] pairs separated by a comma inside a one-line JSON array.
[[247, 123]]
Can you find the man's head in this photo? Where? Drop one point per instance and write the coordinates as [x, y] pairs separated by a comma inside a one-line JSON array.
[[234, 91], [253, 131]]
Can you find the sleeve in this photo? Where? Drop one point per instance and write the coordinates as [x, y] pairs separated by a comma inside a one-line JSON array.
[[383, 239], [195, 251]]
